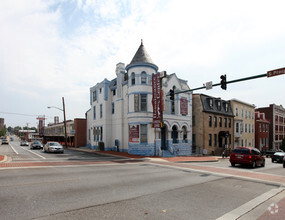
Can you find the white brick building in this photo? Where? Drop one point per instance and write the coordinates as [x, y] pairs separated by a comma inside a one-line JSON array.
[[121, 112]]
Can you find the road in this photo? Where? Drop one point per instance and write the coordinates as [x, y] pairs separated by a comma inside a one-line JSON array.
[[123, 190]]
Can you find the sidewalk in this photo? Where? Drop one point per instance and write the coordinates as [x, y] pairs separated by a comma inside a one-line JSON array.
[[167, 159]]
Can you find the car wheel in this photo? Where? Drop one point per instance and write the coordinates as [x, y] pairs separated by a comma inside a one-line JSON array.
[[233, 164], [263, 164], [253, 164], [272, 160]]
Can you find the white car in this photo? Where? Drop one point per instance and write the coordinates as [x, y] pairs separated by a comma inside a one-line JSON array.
[[53, 147]]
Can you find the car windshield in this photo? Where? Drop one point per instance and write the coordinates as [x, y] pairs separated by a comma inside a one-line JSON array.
[[240, 151], [54, 144], [36, 142]]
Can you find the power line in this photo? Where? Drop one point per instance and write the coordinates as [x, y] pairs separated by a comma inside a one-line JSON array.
[[21, 114]]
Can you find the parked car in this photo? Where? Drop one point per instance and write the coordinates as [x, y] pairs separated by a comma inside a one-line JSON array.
[[247, 156], [278, 157], [4, 141], [53, 147], [24, 143], [36, 144]]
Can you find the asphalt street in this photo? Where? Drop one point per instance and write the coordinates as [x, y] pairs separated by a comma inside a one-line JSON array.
[[108, 187]]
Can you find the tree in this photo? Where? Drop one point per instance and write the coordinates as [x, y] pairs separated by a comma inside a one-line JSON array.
[[282, 147], [3, 132]]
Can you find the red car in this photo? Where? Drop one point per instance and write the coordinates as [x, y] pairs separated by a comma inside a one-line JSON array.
[[247, 156]]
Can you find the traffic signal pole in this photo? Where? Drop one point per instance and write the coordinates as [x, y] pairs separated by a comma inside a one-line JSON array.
[[228, 82]]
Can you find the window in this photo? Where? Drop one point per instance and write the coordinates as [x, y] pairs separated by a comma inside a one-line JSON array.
[[220, 122], [113, 107], [215, 121], [100, 90], [174, 134], [245, 128], [184, 129], [236, 111], [249, 128], [101, 111], [94, 112], [230, 123], [133, 76], [126, 77], [215, 140], [114, 92], [210, 139], [219, 105], [143, 102], [140, 102], [211, 103], [94, 96], [143, 133], [172, 107], [226, 122], [143, 78], [237, 127], [210, 121], [227, 107]]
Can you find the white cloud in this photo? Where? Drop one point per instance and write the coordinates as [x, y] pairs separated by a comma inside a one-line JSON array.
[[52, 49]]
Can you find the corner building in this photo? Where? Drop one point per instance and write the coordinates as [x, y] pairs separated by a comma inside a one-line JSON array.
[[121, 113]]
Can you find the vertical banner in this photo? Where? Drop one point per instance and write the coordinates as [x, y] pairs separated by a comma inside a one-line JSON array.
[[156, 101], [183, 106]]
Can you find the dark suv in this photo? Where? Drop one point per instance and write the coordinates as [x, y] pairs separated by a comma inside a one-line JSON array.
[[36, 144], [247, 156]]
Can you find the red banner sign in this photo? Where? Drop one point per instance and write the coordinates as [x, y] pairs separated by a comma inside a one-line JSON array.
[[156, 101], [134, 133], [276, 72], [183, 106]]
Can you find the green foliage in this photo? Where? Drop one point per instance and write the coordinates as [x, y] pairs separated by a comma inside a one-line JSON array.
[[3, 132]]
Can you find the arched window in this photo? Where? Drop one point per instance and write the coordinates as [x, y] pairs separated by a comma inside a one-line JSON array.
[[143, 78], [184, 129], [133, 77], [174, 134]]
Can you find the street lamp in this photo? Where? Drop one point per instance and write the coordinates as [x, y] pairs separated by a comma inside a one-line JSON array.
[[64, 122]]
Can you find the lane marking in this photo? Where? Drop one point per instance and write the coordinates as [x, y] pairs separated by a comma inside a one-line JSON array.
[[13, 149], [33, 153]]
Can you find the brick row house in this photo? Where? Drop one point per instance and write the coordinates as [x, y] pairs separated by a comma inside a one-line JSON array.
[[276, 115], [261, 131], [244, 123], [213, 128]]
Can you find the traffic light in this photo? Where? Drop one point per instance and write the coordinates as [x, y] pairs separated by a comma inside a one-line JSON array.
[[171, 94], [224, 82]]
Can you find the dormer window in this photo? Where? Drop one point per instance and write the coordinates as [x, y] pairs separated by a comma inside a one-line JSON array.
[[219, 105], [227, 107], [211, 103]]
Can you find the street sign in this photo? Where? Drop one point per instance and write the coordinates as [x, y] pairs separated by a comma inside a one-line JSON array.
[[209, 85], [276, 72]]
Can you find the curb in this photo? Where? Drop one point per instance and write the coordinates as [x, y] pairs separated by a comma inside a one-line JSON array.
[[3, 158]]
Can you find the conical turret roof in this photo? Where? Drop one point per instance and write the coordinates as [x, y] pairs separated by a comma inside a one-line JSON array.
[[141, 58]]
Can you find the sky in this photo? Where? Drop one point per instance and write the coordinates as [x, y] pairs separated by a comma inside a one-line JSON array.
[[51, 49]]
